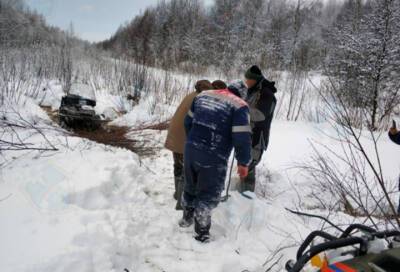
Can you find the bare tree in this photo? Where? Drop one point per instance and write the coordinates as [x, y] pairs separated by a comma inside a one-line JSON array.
[[353, 174], [228, 35]]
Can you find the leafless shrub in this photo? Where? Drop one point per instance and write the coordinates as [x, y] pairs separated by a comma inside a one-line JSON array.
[[21, 74], [298, 98], [297, 94], [351, 175], [17, 133]]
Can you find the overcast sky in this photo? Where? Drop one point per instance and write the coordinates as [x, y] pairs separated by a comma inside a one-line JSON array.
[[93, 20]]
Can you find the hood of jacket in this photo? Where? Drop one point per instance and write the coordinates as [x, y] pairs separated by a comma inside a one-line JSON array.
[[262, 85]]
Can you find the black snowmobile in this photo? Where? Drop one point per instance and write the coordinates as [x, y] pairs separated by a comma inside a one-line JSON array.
[[372, 251], [78, 112]]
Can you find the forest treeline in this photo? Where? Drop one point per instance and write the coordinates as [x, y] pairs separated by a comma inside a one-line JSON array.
[[276, 34], [21, 27], [356, 43]]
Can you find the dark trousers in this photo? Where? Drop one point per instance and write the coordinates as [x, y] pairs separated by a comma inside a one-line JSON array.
[[179, 179], [204, 182], [249, 183]]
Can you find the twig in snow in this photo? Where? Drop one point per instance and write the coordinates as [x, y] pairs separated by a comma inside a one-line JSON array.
[[315, 216], [7, 197]]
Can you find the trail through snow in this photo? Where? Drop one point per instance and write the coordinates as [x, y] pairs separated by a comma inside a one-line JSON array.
[[91, 207]]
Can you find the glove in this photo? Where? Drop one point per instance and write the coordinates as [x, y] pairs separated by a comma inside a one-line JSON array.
[[393, 129], [243, 171]]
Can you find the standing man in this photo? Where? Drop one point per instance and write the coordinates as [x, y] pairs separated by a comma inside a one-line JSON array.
[[176, 137], [217, 122], [262, 102], [394, 135]]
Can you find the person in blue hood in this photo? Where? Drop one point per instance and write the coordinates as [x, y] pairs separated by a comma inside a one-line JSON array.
[[217, 122]]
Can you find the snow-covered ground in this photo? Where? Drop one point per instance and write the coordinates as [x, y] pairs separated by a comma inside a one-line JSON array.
[[90, 207]]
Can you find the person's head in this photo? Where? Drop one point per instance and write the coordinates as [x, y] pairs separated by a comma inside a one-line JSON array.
[[238, 88], [219, 85], [253, 76], [203, 85]]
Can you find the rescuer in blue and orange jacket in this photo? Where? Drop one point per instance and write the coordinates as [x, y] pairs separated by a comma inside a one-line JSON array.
[[217, 122]]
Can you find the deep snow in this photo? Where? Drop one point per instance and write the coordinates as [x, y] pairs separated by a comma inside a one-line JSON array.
[[94, 208], [90, 207]]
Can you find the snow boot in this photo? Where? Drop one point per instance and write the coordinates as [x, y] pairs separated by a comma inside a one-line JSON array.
[[202, 231], [187, 219], [203, 238], [179, 191]]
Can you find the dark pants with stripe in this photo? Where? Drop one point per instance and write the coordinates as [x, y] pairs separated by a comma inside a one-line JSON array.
[[204, 182]]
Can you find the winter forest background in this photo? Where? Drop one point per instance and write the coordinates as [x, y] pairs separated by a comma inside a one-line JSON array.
[[353, 41], [337, 67]]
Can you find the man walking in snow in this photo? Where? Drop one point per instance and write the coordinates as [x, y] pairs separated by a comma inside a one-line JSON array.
[[262, 102], [217, 121], [176, 137], [394, 135]]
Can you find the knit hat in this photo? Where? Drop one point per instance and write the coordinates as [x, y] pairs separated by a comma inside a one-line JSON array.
[[238, 88], [219, 85], [203, 85], [254, 73]]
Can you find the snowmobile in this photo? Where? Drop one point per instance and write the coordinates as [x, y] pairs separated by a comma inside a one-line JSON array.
[[372, 251]]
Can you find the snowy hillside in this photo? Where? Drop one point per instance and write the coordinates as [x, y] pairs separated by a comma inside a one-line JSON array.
[[91, 207]]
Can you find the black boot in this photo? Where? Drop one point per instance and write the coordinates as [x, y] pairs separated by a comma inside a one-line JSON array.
[[179, 191], [202, 229], [187, 219], [203, 237], [178, 173], [176, 181]]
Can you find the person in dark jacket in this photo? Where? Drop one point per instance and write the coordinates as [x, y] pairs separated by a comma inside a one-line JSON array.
[[262, 102], [394, 135], [217, 121]]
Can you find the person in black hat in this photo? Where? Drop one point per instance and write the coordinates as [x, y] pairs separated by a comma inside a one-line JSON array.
[[262, 102]]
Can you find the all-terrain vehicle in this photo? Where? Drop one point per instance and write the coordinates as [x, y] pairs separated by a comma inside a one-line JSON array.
[[78, 110], [370, 251]]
